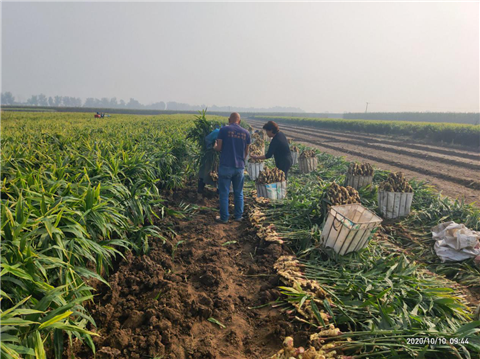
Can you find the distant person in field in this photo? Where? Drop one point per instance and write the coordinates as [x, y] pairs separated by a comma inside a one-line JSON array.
[[233, 142], [278, 148]]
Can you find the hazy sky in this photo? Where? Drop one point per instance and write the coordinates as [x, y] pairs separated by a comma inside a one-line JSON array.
[[317, 56]]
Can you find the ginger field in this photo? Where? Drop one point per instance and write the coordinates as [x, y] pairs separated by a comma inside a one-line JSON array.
[[107, 252]]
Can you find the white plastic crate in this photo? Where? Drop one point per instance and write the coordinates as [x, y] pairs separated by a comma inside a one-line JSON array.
[[254, 169], [348, 228], [394, 204], [294, 157], [358, 181], [307, 165], [276, 190]]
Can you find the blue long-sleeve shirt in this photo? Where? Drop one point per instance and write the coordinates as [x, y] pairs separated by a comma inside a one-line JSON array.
[[211, 137]]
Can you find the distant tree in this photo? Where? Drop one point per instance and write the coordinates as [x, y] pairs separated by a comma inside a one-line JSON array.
[[77, 101], [66, 101], [33, 101], [7, 98], [73, 101], [113, 102], [89, 102], [51, 102], [122, 103], [58, 101], [42, 100], [104, 102], [157, 106], [178, 106], [134, 104]]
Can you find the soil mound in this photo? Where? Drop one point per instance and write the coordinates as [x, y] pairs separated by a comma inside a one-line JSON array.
[[194, 296]]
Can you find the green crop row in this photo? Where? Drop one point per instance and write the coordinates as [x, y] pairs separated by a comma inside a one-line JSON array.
[[76, 192], [436, 117], [446, 133]]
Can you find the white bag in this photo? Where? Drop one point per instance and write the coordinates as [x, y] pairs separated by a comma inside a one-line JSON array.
[[455, 242], [276, 190]]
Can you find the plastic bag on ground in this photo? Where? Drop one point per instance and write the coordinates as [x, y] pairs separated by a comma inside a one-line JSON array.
[[455, 242]]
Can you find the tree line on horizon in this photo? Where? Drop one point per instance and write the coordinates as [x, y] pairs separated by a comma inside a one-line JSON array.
[[41, 100], [91, 102]]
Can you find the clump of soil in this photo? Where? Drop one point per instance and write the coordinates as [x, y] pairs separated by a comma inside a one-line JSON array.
[[159, 304]]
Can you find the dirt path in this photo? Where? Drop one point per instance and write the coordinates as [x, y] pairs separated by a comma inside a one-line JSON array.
[[455, 172], [159, 304]]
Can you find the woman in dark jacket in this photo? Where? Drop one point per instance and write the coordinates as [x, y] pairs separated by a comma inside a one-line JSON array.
[[278, 148]]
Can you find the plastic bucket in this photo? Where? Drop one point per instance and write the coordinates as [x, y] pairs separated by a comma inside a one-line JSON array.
[[254, 169], [276, 190], [307, 165], [358, 181], [394, 204], [348, 228]]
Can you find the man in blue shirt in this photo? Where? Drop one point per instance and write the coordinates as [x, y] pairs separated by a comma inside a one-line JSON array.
[[233, 142]]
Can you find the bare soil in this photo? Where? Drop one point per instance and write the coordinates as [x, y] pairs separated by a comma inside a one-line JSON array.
[[159, 304], [453, 171]]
